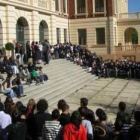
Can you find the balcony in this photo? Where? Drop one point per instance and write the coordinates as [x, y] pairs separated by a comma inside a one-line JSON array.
[[135, 15]]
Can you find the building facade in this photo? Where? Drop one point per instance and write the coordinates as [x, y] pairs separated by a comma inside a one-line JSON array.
[[99, 25]]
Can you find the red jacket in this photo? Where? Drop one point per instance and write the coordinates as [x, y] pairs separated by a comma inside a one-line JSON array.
[[70, 132]]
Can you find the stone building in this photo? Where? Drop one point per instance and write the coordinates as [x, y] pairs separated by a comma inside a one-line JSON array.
[[99, 25]]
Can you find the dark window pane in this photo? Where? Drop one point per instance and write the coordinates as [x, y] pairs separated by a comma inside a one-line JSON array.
[[58, 35], [81, 6], [65, 35], [100, 35], [41, 32], [99, 5], [82, 36], [56, 5], [20, 32]]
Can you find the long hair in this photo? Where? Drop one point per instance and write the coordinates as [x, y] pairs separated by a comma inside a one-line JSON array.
[[31, 104], [76, 119]]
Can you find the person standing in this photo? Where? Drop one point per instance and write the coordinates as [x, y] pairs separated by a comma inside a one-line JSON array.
[[28, 51], [40, 49], [75, 130], [5, 119], [46, 52], [21, 54]]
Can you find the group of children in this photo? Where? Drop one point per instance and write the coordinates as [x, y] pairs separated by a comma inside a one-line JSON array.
[[32, 72]]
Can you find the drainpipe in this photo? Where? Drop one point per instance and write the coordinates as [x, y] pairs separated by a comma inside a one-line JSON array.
[[69, 20], [108, 29]]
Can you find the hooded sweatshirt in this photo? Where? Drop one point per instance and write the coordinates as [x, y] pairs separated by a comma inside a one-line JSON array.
[[72, 133]]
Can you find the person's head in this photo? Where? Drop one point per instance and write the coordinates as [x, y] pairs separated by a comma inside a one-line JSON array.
[[18, 105], [42, 105], [22, 113], [55, 114], [99, 111], [31, 104], [122, 106], [137, 116], [84, 101], [83, 112], [76, 119], [8, 100], [1, 107], [102, 117], [5, 58], [61, 103], [65, 109]]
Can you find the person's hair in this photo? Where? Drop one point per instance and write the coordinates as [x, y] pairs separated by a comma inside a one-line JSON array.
[[99, 111], [18, 105], [83, 111], [55, 114], [103, 116], [137, 116], [65, 107], [1, 106], [76, 119], [42, 105], [8, 100], [61, 103], [84, 101], [22, 110], [31, 104], [122, 106]]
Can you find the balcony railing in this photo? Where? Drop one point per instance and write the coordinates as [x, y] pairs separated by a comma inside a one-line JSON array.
[[130, 15]]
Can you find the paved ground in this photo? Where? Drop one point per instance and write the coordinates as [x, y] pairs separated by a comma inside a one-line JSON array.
[[106, 94]]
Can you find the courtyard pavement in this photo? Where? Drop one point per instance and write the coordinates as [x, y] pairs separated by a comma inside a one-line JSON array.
[[106, 94]]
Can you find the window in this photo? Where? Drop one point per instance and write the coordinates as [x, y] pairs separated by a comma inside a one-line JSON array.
[[65, 35], [64, 6], [20, 31], [82, 36], [58, 35], [100, 35], [56, 5], [99, 5], [41, 32], [81, 6]]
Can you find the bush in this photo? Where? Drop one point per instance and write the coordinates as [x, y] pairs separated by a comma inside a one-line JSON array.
[[9, 46]]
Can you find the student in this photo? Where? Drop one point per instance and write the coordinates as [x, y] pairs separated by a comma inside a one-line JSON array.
[[18, 130], [37, 121], [90, 113], [60, 105], [74, 130], [51, 128], [101, 130], [134, 132], [83, 112]]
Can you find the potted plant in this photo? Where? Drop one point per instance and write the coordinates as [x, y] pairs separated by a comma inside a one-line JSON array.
[[9, 46]]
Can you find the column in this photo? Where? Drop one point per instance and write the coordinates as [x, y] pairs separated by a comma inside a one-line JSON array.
[[52, 35], [10, 23], [35, 26]]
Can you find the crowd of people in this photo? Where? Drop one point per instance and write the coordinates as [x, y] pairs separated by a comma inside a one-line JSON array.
[[34, 122]]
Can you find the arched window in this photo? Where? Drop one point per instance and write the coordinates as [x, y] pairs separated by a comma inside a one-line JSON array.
[[20, 31], [41, 32], [131, 36]]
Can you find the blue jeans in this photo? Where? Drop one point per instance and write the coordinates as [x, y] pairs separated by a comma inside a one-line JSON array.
[[22, 58], [10, 92], [20, 89]]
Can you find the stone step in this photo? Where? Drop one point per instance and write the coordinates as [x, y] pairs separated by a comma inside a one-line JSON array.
[[54, 87]]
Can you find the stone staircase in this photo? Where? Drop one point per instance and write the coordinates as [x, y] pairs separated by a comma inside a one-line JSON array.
[[65, 78]]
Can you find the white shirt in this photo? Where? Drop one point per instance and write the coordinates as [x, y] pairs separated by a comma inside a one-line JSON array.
[[40, 47], [5, 120]]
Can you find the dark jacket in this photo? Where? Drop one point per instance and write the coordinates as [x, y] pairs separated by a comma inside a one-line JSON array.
[[15, 131], [36, 123]]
